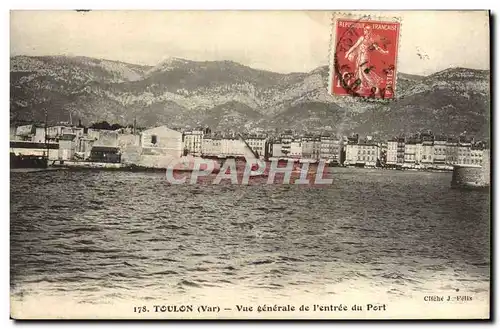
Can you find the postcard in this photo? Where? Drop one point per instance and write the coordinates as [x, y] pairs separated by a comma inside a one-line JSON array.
[[250, 165]]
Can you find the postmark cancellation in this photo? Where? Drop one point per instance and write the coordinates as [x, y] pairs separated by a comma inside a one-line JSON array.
[[363, 56]]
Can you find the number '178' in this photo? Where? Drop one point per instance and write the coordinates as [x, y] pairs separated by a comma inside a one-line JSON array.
[[140, 309]]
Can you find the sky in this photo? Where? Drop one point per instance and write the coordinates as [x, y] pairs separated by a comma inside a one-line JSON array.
[[287, 41]]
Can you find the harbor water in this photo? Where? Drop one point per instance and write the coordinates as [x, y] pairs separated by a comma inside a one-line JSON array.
[[93, 239]]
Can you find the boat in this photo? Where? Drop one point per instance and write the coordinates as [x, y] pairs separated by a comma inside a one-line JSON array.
[[38, 160], [190, 163], [27, 161], [251, 156]]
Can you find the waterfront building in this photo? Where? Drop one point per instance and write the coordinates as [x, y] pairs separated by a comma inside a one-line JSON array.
[[39, 135], [368, 154], [25, 133], [67, 146], [193, 140], [439, 156], [92, 133], [476, 154], [296, 148], [268, 152], [29, 133], [427, 150], [311, 147], [107, 154], [127, 138], [35, 149], [206, 146], [401, 151], [83, 147], [351, 154], [410, 152], [103, 137], [452, 151], [276, 149], [286, 141], [421, 149], [392, 152], [158, 148], [211, 146], [257, 143], [351, 150], [330, 149], [162, 140], [128, 142], [36, 133], [383, 153], [464, 150], [55, 132], [232, 147], [418, 151]]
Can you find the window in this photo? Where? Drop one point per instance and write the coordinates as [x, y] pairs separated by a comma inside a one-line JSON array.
[[154, 139]]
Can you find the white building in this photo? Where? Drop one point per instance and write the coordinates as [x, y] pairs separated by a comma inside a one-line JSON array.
[[211, 146], [452, 151], [392, 152], [277, 151], [311, 147], [286, 140], [258, 144], [38, 149], [296, 149], [411, 152], [476, 157], [193, 141], [368, 154], [439, 156], [427, 152], [330, 148], [25, 132], [233, 147], [159, 147], [351, 154], [464, 152]]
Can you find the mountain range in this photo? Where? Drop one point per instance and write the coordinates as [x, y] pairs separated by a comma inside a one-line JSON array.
[[226, 95]]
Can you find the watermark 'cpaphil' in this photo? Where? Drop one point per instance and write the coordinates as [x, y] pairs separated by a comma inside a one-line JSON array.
[[230, 170]]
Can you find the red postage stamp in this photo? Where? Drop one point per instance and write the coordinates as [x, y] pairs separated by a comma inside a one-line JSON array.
[[364, 58]]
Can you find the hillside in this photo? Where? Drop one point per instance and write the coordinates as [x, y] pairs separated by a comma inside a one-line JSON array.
[[227, 95]]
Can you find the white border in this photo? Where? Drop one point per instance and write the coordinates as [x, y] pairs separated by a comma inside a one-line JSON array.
[[200, 4]]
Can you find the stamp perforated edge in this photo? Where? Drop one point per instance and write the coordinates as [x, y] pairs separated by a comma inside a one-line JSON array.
[[367, 16]]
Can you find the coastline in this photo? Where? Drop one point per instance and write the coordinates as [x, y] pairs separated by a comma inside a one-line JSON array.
[[87, 165]]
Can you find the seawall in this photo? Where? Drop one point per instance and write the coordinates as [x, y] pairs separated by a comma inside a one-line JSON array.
[[472, 176]]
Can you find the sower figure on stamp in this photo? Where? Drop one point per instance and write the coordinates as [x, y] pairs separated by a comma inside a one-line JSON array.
[[359, 53]]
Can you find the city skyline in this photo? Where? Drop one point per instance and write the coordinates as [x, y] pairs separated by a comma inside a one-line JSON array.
[[410, 150], [256, 131]]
